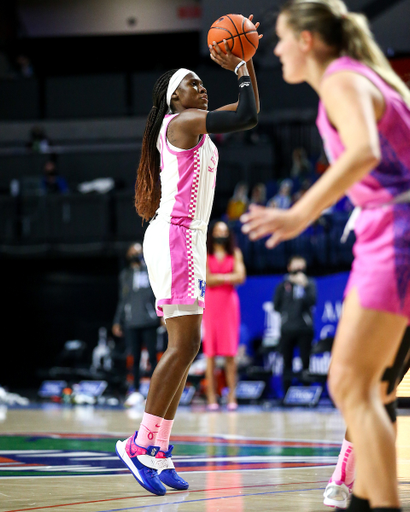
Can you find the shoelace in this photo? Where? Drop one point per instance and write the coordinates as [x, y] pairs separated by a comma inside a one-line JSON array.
[[152, 473]]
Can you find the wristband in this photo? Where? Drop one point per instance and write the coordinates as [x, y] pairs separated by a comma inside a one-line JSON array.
[[238, 66]]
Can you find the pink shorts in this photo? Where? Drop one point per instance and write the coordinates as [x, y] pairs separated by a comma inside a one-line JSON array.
[[381, 266]]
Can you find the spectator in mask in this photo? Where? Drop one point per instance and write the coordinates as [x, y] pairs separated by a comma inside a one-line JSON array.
[[294, 299], [221, 322], [135, 317], [52, 182]]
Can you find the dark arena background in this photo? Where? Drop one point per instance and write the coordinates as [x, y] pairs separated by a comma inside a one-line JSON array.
[[76, 78]]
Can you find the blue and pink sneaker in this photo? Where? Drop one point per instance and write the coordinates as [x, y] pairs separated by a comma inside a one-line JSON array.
[[167, 473], [142, 464]]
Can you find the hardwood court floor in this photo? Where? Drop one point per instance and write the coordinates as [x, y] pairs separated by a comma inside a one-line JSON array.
[[62, 459]]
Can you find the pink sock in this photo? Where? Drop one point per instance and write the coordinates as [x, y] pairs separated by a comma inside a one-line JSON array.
[[345, 468], [164, 434], [148, 431]]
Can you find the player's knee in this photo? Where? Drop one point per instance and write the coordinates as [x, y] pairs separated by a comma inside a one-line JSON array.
[[336, 383], [191, 349], [196, 345], [348, 387]]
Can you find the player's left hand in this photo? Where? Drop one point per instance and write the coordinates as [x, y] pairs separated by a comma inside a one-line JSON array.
[[260, 221]]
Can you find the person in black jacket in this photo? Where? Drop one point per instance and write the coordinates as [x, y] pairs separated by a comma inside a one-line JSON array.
[[294, 299], [135, 317]]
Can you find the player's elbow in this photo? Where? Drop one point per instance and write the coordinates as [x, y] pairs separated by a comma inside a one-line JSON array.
[[371, 154], [250, 121]]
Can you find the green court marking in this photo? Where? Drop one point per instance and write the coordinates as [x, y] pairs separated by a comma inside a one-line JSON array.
[[22, 442]]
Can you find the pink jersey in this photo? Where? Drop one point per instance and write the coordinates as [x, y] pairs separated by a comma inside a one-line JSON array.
[[381, 267], [392, 176]]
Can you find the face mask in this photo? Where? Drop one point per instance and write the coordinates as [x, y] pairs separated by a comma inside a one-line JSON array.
[[294, 272], [135, 258], [222, 240]]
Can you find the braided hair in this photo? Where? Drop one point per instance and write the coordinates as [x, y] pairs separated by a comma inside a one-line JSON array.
[[148, 187]]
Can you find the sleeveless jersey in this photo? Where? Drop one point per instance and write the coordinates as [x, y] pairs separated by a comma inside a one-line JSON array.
[[392, 176], [187, 180]]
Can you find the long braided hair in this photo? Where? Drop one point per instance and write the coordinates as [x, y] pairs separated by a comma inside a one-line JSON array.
[[148, 187]]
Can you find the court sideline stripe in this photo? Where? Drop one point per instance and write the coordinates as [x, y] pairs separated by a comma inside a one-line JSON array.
[[209, 499], [150, 495]]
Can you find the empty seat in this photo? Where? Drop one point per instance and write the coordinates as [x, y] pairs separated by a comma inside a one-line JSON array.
[[128, 224], [9, 218], [86, 96], [76, 218], [19, 99]]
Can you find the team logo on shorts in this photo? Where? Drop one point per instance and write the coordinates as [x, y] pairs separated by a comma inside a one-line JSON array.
[[202, 287]]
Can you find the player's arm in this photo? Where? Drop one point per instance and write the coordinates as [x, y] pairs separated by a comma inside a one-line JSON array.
[[244, 117], [248, 70]]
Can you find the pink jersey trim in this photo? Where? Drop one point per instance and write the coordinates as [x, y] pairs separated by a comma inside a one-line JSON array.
[[200, 143]]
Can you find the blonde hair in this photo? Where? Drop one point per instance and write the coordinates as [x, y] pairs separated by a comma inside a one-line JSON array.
[[347, 32]]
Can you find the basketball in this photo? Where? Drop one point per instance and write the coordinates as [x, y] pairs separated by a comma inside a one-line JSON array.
[[239, 32]]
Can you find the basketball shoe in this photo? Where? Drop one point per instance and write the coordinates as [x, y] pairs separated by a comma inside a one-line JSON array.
[[337, 494], [166, 471], [142, 464]]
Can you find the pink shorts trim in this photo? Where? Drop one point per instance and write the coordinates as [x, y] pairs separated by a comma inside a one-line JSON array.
[[171, 301], [373, 296]]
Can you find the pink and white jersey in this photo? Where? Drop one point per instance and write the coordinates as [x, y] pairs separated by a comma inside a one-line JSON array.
[[175, 241], [188, 179]]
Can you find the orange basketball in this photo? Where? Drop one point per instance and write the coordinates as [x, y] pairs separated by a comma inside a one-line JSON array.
[[239, 32]]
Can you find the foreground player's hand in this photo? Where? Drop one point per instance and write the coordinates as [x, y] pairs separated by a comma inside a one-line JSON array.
[[261, 221]]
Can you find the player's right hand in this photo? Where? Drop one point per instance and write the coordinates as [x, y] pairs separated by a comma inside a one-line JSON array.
[[226, 60]]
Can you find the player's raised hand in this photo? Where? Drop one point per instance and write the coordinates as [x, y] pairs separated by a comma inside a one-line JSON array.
[[257, 24], [227, 59]]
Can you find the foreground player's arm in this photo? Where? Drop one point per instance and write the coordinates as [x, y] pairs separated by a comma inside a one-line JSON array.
[[351, 107]]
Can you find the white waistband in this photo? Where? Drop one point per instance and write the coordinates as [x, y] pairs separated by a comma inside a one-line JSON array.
[[350, 224], [195, 224]]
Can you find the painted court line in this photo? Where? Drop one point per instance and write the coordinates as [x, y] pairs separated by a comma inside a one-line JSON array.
[[206, 499], [175, 493]]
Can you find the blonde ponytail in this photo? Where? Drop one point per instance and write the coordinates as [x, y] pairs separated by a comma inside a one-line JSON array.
[[359, 43], [347, 32]]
